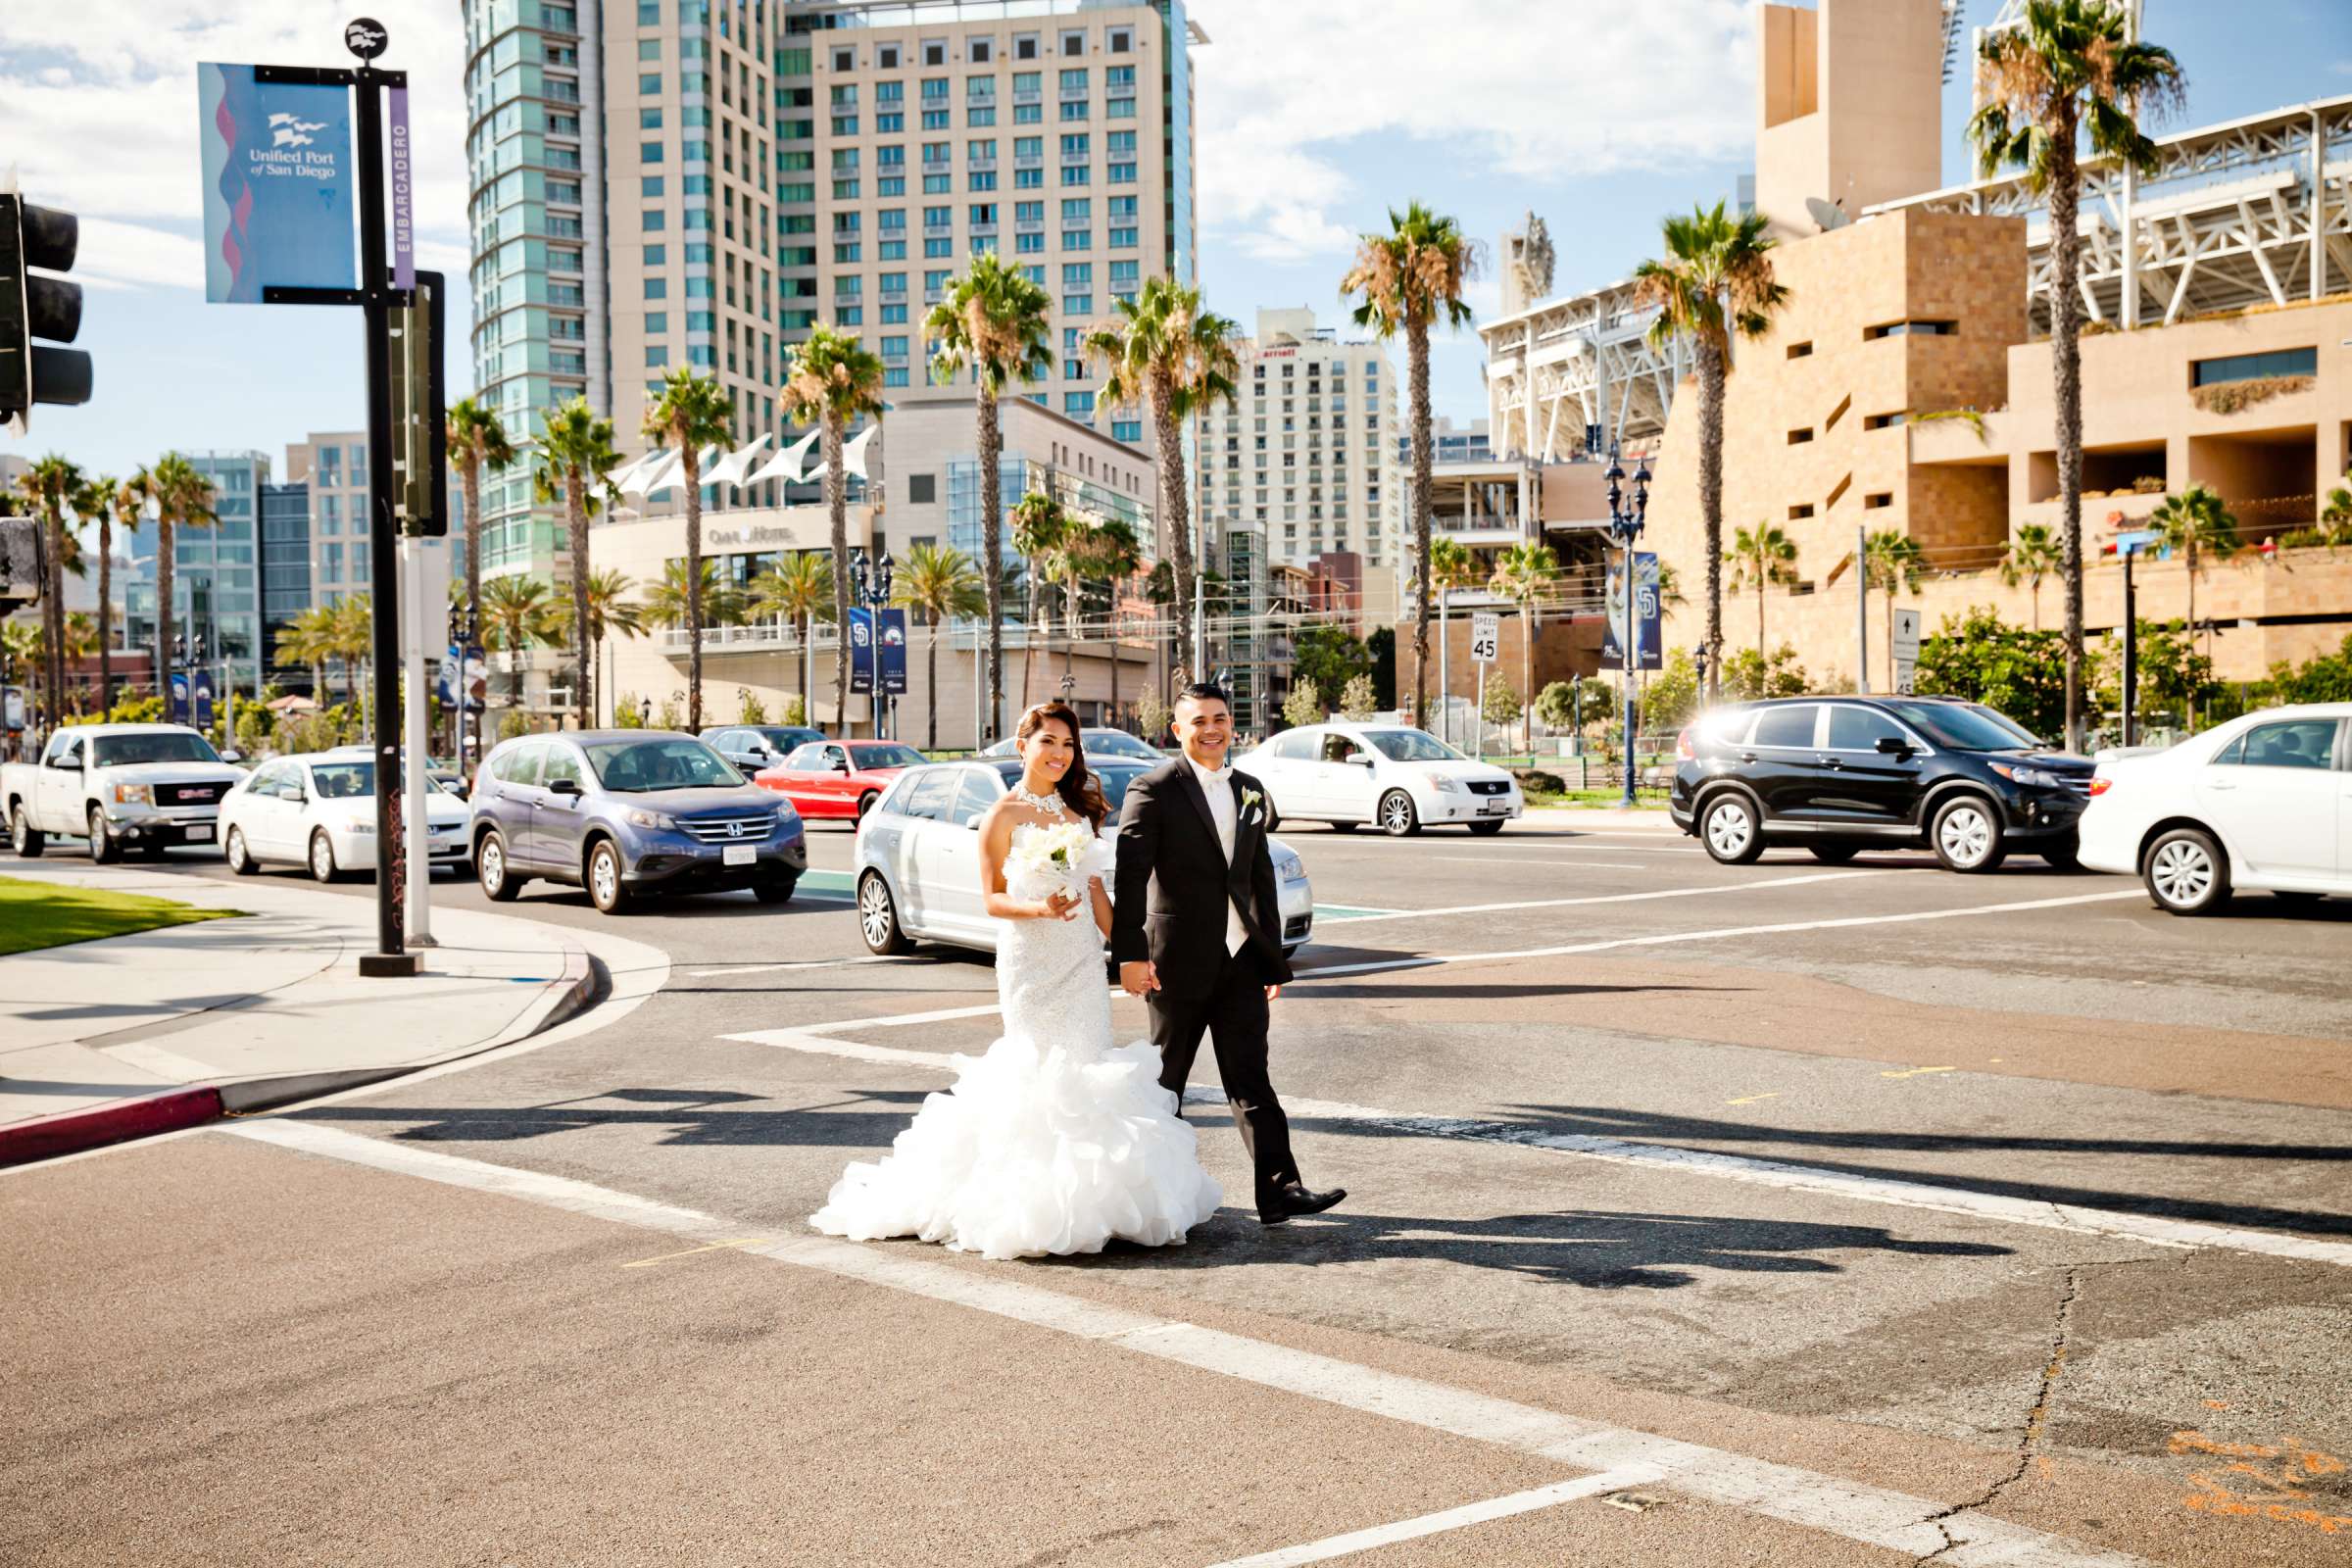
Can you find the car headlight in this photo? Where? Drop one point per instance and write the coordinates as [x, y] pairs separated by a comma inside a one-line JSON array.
[[2031, 777], [1290, 868], [359, 825], [134, 795], [1444, 784], [640, 818]]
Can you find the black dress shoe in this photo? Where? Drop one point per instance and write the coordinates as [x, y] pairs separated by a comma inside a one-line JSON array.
[[1294, 1201]]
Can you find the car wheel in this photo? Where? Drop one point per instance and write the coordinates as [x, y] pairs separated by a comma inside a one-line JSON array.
[[103, 849], [2063, 854], [1728, 827], [323, 856], [1487, 830], [605, 889], [22, 837], [2187, 872], [1966, 835], [1833, 854], [878, 916], [498, 884], [240, 860], [775, 889], [1398, 817], [866, 802]]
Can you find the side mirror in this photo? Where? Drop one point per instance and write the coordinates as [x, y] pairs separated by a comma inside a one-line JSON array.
[[1360, 759], [70, 763], [233, 757], [1894, 746], [565, 786], [841, 768]]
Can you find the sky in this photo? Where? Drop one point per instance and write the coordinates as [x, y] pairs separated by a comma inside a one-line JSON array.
[[1315, 117]]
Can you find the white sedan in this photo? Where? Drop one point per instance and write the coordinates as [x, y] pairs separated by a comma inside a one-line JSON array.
[[919, 857], [318, 809], [1403, 779], [2263, 803]]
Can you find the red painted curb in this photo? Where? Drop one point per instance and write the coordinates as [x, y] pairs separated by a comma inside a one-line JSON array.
[[73, 1131]]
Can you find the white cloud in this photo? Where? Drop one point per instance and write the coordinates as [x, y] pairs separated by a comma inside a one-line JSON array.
[[101, 100], [1535, 89]]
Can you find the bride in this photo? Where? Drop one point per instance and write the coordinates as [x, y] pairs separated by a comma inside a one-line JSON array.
[[1054, 1141]]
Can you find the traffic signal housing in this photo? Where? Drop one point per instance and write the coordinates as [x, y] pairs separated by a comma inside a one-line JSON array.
[[33, 307]]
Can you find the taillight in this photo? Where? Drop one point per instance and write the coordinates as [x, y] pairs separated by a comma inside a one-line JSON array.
[[1682, 745], [2101, 785]]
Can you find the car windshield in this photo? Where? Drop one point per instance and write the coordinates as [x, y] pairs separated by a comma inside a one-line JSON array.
[[1963, 729], [886, 757], [2024, 736], [160, 746], [781, 739], [343, 781], [1411, 746], [638, 767], [1118, 743]]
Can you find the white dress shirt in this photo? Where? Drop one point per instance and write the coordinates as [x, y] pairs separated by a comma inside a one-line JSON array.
[[1217, 785]]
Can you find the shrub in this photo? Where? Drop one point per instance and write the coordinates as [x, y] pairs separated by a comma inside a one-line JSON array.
[[1305, 705], [1502, 705], [750, 709], [1358, 701]]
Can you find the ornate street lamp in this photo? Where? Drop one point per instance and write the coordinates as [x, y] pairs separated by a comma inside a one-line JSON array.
[[1625, 527], [872, 582]]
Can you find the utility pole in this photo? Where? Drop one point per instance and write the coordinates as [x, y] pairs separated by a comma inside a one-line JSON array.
[[1861, 609], [1444, 659], [2131, 641], [420, 859]]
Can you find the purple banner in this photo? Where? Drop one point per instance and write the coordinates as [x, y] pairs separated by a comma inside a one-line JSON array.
[[404, 222]]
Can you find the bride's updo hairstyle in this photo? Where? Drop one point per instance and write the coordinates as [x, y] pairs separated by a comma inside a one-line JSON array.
[[1078, 789]]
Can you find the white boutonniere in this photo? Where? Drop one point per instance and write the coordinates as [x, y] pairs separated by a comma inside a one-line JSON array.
[[1251, 796], [1249, 801]]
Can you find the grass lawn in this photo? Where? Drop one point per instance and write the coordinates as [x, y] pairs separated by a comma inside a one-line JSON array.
[[37, 915]]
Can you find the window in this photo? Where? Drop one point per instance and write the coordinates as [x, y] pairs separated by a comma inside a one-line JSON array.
[[1789, 726], [1025, 47], [1073, 80], [886, 58], [2308, 743], [1073, 45], [649, 151], [935, 53], [1078, 304], [1078, 405], [1122, 41], [649, 48], [845, 59], [657, 288], [1028, 179], [1877, 500], [1860, 729], [1797, 438], [657, 355], [648, 118], [978, 51], [2249, 366], [1078, 174], [1883, 422], [1910, 330], [1074, 109], [1800, 351], [657, 320], [922, 489], [1799, 512], [1077, 274]]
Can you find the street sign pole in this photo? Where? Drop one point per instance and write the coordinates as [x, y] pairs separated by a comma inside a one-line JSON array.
[[2130, 644], [419, 864], [1861, 609], [1444, 659]]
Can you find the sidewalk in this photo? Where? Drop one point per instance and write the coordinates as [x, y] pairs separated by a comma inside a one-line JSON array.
[[136, 1034]]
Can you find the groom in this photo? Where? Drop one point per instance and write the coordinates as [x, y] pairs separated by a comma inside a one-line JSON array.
[[1196, 931]]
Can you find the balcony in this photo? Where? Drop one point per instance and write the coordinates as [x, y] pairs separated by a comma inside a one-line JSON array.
[[1028, 160], [1028, 226], [939, 165], [980, 165], [979, 227], [1028, 95], [938, 231], [932, 296], [1071, 95], [894, 296]]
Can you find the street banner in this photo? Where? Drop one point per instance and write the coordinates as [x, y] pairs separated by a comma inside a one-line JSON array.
[[178, 703], [1647, 613], [204, 700], [861, 650], [893, 653], [404, 217], [279, 185]]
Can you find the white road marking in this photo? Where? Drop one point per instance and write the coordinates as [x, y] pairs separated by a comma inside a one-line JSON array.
[[1431, 1524], [811, 964], [1873, 1515], [1626, 897], [1581, 865], [166, 1064], [1999, 1207]]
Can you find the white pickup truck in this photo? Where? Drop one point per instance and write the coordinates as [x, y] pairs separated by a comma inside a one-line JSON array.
[[122, 786]]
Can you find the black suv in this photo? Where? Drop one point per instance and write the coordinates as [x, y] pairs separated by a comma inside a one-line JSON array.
[[1841, 774]]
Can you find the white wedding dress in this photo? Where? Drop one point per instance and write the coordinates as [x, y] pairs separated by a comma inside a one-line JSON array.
[[1054, 1141]]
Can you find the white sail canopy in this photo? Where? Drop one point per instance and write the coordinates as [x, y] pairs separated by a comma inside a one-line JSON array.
[[731, 468], [787, 464]]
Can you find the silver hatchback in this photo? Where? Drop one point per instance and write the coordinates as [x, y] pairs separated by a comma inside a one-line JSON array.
[[918, 860]]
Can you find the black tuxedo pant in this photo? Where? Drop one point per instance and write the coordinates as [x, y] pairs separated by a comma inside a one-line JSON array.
[[1233, 1013]]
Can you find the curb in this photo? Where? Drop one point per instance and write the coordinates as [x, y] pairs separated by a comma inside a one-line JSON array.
[[75, 1131]]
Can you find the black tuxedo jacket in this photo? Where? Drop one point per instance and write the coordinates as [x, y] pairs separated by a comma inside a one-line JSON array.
[[1172, 885]]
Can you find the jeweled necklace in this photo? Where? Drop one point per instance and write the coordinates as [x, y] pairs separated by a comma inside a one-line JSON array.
[[1050, 803]]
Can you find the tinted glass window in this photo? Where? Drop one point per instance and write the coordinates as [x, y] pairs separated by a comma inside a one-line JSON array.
[[1118, 743], [807, 759], [632, 767], [1786, 726], [2297, 743], [343, 781], [559, 764], [162, 746], [931, 795], [1337, 748], [887, 755], [974, 795], [1860, 729], [783, 738], [2232, 753], [726, 740], [1727, 727], [1411, 746], [519, 765], [1292, 747], [1964, 729]]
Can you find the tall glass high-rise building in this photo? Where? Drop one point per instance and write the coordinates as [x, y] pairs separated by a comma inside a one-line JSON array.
[[217, 594]]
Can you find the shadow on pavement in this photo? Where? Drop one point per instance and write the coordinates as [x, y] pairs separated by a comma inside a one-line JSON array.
[[694, 1117]]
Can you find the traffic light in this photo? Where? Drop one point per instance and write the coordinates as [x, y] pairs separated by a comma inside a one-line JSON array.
[[35, 307]]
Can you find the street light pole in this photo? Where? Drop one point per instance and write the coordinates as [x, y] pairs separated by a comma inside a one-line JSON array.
[[1625, 526]]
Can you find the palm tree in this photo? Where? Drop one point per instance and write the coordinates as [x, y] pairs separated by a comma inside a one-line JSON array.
[[2335, 517], [832, 381], [610, 609], [307, 639], [183, 499], [800, 589], [1117, 555], [1037, 526], [348, 640], [2070, 66], [1763, 556], [517, 612], [2197, 524], [2032, 556], [669, 603], [1715, 283], [693, 411], [93, 500], [1894, 561], [1169, 354], [1407, 280], [575, 457], [477, 440], [993, 318], [1073, 558], [935, 584], [1522, 575], [1452, 568], [50, 486]]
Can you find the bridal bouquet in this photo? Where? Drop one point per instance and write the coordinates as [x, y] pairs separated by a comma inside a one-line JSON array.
[[1055, 856]]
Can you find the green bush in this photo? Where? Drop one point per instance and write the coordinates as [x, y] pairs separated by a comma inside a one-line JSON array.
[[749, 709], [1502, 703], [1305, 705], [515, 722]]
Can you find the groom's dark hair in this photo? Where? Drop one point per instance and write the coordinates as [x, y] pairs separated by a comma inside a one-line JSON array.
[[1207, 691]]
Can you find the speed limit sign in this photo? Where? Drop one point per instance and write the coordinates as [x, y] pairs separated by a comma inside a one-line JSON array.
[[1485, 636]]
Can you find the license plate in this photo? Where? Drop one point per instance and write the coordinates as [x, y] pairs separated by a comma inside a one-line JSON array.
[[1493, 808], [201, 832], [739, 855]]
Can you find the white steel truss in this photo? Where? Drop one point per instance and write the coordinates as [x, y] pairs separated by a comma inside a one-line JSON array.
[[1584, 359], [2254, 211]]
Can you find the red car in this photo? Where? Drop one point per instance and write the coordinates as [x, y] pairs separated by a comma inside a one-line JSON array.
[[838, 779]]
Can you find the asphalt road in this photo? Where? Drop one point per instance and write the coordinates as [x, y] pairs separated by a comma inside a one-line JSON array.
[[1861, 1214]]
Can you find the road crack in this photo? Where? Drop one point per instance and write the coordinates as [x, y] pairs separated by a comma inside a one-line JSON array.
[[2029, 1441]]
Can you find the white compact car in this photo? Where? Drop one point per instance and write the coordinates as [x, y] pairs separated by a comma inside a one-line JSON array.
[[318, 809], [919, 857], [2263, 803], [1404, 779], [1097, 743]]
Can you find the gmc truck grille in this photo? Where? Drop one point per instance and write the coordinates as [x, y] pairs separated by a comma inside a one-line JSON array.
[[189, 794]]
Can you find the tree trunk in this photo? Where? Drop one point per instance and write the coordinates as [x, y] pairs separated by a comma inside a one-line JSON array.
[[931, 691], [54, 615], [693, 459], [1416, 353], [1114, 652], [991, 551], [106, 635], [1759, 629], [472, 475], [1177, 515], [2066, 357], [836, 501], [2191, 702], [575, 506], [1710, 500], [1527, 678], [1029, 629], [164, 529], [1069, 654]]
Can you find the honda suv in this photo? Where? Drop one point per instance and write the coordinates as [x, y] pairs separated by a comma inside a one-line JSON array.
[[1841, 774]]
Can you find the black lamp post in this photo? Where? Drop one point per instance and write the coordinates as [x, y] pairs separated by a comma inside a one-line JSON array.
[[1699, 657], [461, 632], [1625, 527], [873, 590]]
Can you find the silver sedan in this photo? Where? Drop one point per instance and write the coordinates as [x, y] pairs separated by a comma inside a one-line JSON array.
[[918, 861]]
